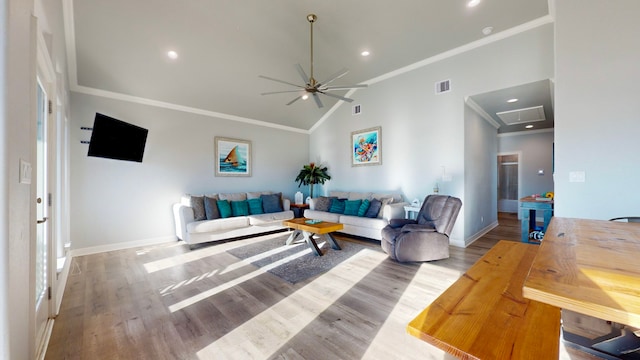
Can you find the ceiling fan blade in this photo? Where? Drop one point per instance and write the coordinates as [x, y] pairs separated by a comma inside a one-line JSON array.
[[303, 74], [294, 100], [344, 87], [280, 81], [337, 96], [279, 92], [335, 76], [318, 101]]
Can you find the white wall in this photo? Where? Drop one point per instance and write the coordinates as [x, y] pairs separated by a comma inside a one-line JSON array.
[[597, 118], [480, 176], [4, 184], [421, 131], [536, 150], [121, 203]]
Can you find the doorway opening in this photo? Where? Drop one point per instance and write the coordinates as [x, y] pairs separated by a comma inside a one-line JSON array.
[[508, 182]]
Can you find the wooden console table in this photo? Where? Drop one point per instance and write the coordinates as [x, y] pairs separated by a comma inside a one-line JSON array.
[[590, 267], [528, 207], [483, 315]]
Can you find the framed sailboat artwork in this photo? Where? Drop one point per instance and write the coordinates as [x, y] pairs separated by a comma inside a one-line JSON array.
[[233, 157]]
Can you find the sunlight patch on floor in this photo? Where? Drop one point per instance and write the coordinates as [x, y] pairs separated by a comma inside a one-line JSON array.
[[205, 294], [201, 253], [268, 331], [413, 300], [257, 257]]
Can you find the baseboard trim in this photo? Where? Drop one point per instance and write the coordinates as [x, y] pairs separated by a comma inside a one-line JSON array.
[[481, 233], [122, 246]]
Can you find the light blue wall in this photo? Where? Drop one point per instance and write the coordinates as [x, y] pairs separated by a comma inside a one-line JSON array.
[[116, 202], [597, 108], [421, 131]]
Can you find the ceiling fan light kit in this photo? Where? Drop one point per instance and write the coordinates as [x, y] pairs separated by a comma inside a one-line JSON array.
[[313, 87]]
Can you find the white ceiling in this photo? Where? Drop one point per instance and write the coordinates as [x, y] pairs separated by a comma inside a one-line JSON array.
[[118, 47]]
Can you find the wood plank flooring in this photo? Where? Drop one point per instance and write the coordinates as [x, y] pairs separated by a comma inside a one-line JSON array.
[[169, 302]]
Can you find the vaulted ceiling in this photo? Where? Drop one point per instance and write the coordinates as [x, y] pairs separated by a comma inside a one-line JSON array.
[[119, 48]]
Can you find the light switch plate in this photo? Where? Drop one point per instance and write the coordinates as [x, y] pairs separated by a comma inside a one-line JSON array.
[[25, 172], [576, 176]]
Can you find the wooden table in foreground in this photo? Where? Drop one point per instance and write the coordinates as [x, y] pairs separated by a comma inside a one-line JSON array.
[[591, 267], [483, 315], [308, 230]]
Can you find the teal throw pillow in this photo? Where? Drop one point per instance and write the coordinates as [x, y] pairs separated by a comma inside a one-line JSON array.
[[240, 208], [351, 207], [337, 206], [364, 207], [225, 208], [255, 206]]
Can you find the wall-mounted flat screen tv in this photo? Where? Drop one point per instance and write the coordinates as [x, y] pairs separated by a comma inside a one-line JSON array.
[[115, 139]]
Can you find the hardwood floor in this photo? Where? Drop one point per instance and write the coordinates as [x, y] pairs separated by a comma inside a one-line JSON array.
[[167, 302]]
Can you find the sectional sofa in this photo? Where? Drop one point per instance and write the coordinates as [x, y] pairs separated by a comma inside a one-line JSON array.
[[359, 217], [213, 217]]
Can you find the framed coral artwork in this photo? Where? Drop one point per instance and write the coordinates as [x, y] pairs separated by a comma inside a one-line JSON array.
[[233, 157], [365, 147]]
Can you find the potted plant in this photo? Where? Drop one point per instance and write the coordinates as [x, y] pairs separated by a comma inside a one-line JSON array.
[[311, 175]]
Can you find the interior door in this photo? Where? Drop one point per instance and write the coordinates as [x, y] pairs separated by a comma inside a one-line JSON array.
[[42, 263], [508, 182]]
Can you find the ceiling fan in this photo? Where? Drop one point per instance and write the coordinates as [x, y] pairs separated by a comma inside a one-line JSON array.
[[313, 87]]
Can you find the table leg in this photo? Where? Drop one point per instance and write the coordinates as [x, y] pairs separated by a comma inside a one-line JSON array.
[[294, 235], [524, 225], [308, 237], [332, 241]]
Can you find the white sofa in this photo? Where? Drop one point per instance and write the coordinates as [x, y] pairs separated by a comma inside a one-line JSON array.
[[194, 231], [360, 225]]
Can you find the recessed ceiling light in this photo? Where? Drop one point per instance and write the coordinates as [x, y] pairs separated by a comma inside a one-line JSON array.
[[512, 100], [365, 53], [529, 126], [473, 3], [488, 30], [172, 54], [305, 96]]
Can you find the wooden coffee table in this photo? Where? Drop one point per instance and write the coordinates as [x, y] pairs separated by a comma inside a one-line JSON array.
[[308, 230]]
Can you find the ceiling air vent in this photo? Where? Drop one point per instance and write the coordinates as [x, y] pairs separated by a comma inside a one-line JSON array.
[[443, 86], [357, 109]]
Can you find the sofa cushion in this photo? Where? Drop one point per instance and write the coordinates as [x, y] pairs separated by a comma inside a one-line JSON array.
[[217, 225], [233, 196], [337, 206], [323, 203], [374, 223], [364, 206], [256, 195], [359, 195], [272, 203], [270, 217], [255, 206], [225, 208], [374, 208], [239, 208], [322, 215], [351, 207], [339, 194], [197, 204], [396, 197], [211, 207]]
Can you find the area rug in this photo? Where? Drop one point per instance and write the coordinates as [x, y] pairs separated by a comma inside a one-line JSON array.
[[296, 262]]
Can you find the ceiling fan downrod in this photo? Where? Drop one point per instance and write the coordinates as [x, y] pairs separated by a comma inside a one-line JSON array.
[[311, 18]]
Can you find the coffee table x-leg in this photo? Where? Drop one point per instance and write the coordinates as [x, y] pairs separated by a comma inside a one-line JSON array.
[[308, 238], [300, 227]]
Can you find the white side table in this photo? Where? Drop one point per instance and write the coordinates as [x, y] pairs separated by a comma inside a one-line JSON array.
[[408, 209]]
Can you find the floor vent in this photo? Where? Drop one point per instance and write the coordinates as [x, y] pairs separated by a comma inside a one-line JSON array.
[[443, 86], [357, 109]]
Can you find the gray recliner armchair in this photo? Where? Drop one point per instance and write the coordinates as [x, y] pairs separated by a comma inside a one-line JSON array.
[[427, 237]]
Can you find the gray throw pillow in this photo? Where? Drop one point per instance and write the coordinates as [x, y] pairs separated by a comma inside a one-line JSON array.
[[271, 203], [374, 208], [384, 202], [197, 204], [323, 203], [211, 208]]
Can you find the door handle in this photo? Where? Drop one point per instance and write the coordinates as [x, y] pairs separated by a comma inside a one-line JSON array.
[[42, 221]]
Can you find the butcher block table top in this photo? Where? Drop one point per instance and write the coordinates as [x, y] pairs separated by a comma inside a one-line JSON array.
[[591, 267], [483, 315]]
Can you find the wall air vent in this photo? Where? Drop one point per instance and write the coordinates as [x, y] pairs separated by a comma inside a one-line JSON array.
[[357, 109], [443, 86]]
